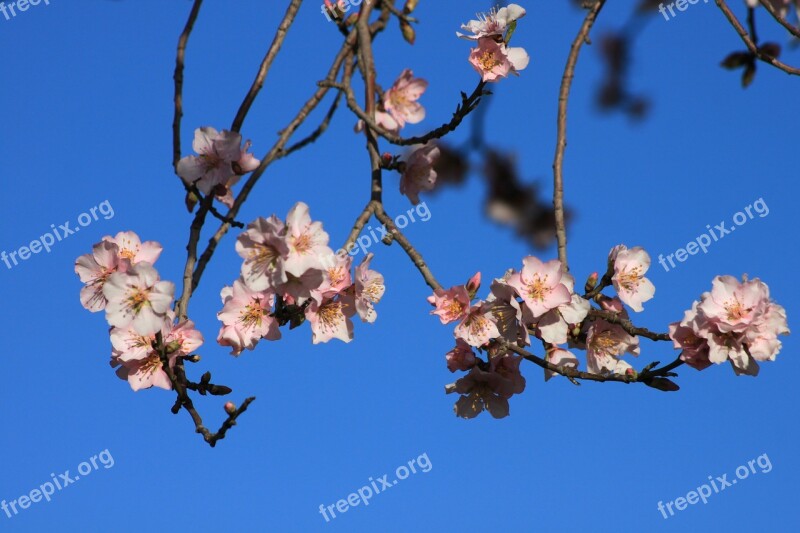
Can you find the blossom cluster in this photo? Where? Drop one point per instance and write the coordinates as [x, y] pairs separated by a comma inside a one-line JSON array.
[[221, 161], [290, 274], [119, 278], [492, 58], [736, 322]]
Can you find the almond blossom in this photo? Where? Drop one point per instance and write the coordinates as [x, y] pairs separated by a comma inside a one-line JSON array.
[[461, 357], [419, 174], [336, 278], [554, 325], [137, 297], [492, 24], [330, 319], [507, 312], [605, 343], [263, 248], [493, 60], [452, 305], [735, 322], [307, 242], [630, 266], [140, 364], [220, 157], [561, 358], [400, 101], [245, 316], [488, 390], [369, 289], [131, 247], [540, 285], [478, 327], [94, 269]]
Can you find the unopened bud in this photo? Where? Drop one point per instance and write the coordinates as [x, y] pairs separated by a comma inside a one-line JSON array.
[[410, 6], [408, 32], [473, 285], [387, 158], [591, 283], [191, 201], [230, 408], [173, 347], [194, 358]]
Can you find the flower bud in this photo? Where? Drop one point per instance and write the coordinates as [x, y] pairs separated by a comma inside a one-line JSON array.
[[410, 6], [408, 32], [591, 283], [230, 408]]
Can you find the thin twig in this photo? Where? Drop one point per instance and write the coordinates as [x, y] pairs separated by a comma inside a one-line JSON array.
[[763, 56], [266, 63], [628, 326], [404, 243], [561, 141], [782, 21], [178, 78]]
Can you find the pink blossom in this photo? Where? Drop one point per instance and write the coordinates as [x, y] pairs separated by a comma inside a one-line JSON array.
[[246, 317], [131, 248], [137, 297], [264, 250], [735, 322], [540, 285], [400, 101], [419, 174], [478, 327], [561, 358], [140, 364], [492, 24], [461, 357], [331, 319], [605, 343], [507, 313], [336, 278], [630, 266], [493, 60], [369, 289], [554, 325], [452, 305], [488, 390], [307, 242], [94, 269], [220, 157]]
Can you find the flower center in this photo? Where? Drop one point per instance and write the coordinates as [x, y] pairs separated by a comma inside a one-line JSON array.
[[302, 244], [630, 279], [488, 61], [537, 288], [252, 315], [735, 309], [137, 300]]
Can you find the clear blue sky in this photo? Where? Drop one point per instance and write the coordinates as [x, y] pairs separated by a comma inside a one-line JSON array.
[[87, 109]]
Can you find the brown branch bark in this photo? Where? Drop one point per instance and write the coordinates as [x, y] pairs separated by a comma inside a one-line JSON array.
[[561, 140]]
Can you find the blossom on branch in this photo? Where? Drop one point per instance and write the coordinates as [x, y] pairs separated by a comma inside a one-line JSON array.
[[137, 297]]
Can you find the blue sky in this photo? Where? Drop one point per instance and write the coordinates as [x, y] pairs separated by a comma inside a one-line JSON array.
[[87, 109]]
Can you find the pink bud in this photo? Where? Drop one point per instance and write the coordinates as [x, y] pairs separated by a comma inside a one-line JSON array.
[[230, 408]]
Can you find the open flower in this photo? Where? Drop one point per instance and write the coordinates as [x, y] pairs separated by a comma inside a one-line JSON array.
[[263, 249], [452, 305], [492, 24], [94, 269], [400, 100], [137, 297], [561, 358], [419, 174], [307, 242], [369, 289], [331, 319], [554, 325], [478, 327], [540, 285], [246, 317], [630, 266], [493, 60], [131, 248], [461, 357], [220, 157], [605, 343]]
